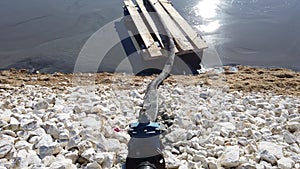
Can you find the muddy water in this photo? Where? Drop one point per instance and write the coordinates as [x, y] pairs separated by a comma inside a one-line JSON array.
[[48, 35]]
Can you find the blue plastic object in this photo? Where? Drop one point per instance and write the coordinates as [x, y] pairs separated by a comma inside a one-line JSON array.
[[144, 130]]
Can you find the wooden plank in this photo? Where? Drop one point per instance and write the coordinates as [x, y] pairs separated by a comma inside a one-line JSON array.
[[141, 5], [179, 37], [185, 26], [142, 29], [151, 22]]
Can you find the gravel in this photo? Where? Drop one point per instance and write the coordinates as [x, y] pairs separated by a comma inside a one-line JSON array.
[[71, 127]]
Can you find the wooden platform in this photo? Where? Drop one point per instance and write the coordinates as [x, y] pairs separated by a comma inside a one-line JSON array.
[[144, 15]]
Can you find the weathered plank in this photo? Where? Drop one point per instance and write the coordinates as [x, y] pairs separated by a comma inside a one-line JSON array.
[[185, 26], [147, 16], [155, 28], [179, 37], [142, 29]]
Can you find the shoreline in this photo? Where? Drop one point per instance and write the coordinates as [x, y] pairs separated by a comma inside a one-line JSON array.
[[244, 78]]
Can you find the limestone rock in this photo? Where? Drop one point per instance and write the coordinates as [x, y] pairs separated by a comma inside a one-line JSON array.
[[293, 126], [88, 153], [73, 155], [272, 148], [93, 165], [51, 128], [2, 122], [231, 156], [5, 149], [109, 160], [289, 138], [99, 158], [29, 125], [41, 105], [66, 164], [211, 163], [91, 122], [267, 156], [285, 163], [25, 158], [48, 160], [23, 145], [48, 149], [176, 135], [247, 166], [227, 125]]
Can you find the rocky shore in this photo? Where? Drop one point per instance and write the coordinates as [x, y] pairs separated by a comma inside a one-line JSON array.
[[241, 117]]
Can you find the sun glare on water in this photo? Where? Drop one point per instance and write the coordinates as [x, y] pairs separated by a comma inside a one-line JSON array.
[[208, 11]]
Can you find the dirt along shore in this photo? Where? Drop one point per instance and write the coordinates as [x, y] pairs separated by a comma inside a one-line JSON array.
[[247, 79]]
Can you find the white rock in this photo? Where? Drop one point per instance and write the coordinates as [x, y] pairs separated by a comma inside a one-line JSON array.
[[5, 149], [51, 128], [39, 132], [204, 95], [23, 145], [48, 160], [93, 165], [183, 167], [91, 122], [14, 121], [227, 125], [199, 158], [219, 140], [12, 125], [243, 141], [239, 108], [179, 91], [247, 166], [99, 158], [20, 160], [109, 160], [197, 118], [135, 94], [2, 122], [73, 155], [33, 158], [231, 156], [48, 149], [112, 145], [285, 163], [272, 148], [122, 137], [84, 145], [289, 138], [73, 142], [41, 105], [293, 126], [176, 135], [62, 116], [63, 135], [211, 163], [295, 119], [29, 124], [65, 164], [265, 155], [9, 133], [88, 153], [26, 158], [34, 139]]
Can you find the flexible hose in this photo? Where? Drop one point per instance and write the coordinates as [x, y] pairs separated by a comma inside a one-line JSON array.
[[149, 112]]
